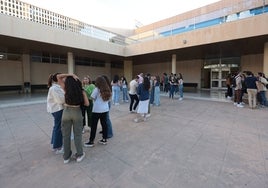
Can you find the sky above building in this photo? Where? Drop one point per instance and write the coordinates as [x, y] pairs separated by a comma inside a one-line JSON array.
[[119, 13]]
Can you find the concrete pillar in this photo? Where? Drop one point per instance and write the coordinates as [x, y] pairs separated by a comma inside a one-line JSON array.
[[265, 62], [128, 70], [173, 63], [265, 59], [108, 68], [70, 62], [26, 73]]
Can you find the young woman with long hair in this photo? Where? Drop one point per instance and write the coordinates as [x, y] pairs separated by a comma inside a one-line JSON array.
[[101, 96], [75, 96]]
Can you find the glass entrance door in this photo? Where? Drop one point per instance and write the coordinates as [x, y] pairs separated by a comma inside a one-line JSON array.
[[218, 76]]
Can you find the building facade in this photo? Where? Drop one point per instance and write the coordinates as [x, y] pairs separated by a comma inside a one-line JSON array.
[[204, 45]]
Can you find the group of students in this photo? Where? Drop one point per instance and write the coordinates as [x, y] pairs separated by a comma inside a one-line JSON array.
[[69, 101], [246, 82], [173, 84]]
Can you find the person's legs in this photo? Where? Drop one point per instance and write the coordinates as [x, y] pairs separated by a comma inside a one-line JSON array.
[[131, 102], [77, 129], [117, 94], [103, 120], [109, 126], [57, 134], [89, 113], [254, 98], [250, 97], [181, 91], [95, 119], [136, 98], [157, 96], [66, 127], [263, 98]]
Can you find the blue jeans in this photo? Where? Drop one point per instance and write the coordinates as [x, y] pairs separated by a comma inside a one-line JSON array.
[[109, 126], [152, 95], [56, 139], [157, 95], [125, 94], [116, 94], [181, 90], [262, 98]]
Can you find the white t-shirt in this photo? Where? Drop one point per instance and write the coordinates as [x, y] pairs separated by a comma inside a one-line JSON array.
[[99, 106], [133, 87]]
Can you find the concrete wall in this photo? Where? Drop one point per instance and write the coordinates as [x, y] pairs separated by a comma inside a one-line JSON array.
[[253, 63], [11, 73], [19, 28], [190, 70]]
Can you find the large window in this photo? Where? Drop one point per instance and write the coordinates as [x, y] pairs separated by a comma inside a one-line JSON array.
[[86, 61], [45, 57]]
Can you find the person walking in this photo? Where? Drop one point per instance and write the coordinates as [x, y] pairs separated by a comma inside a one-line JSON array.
[[133, 85], [55, 101], [101, 96], [72, 115]]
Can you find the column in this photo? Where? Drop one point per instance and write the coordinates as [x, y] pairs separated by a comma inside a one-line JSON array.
[[128, 70], [265, 59], [108, 69], [26, 73], [70, 62], [174, 60], [265, 62]]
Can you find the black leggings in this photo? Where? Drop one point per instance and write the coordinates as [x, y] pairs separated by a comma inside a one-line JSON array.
[[132, 99]]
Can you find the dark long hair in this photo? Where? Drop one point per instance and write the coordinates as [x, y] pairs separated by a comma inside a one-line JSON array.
[[116, 78], [73, 91], [102, 85], [146, 83]]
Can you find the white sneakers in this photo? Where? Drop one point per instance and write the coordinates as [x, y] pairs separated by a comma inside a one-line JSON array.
[[80, 158]]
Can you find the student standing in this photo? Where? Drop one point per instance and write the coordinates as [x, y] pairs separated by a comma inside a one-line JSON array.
[[180, 82], [116, 89], [55, 101], [143, 92], [75, 96], [87, 110], [133, 85], [101, 96]]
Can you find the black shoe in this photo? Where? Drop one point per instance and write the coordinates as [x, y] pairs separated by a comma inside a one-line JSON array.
[[89, 144], [103, 141]]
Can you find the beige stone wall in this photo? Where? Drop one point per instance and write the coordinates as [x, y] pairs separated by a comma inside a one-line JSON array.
[[253, 63], [153, 69], [11, 73], [41, 71], [190, 70]]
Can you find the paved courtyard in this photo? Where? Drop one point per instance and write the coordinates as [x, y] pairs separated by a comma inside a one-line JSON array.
[[184, 144]]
